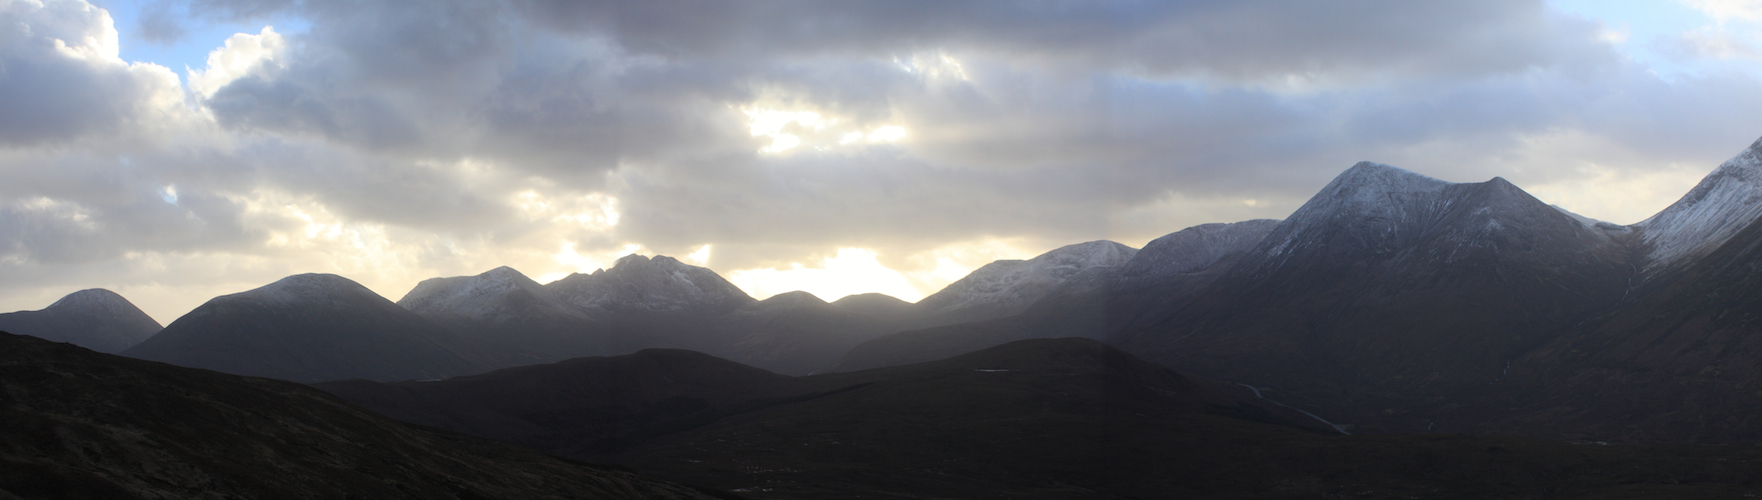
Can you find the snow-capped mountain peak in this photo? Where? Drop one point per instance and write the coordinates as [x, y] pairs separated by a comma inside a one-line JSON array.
[[96, 319], [303, 289], [1725, 202], [482, 297], [93, 301], [641, 283]]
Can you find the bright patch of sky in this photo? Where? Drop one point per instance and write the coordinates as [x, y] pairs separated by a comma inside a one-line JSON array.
[[189, 49], [852, 271], [1679, 38]]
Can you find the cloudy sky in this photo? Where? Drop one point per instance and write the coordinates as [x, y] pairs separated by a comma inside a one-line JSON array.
[[173, 151]]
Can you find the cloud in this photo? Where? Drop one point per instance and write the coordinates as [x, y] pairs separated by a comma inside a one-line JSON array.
[[1729, 10], [390, 142], [62, 79]]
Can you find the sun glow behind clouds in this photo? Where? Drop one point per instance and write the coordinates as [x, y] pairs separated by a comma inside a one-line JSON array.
[[771, 122], [861, 270], [852, 271], [792, 129]]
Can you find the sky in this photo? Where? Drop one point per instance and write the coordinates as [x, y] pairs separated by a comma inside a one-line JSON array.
[[174, 151]]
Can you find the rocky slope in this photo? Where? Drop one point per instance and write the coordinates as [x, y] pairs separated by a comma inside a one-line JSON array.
[[95, 319]]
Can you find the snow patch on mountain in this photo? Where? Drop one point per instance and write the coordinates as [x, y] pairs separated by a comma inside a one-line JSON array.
[[1725, 202], [96, 319], [1195, 248], [484, 297], [1370, 209], [638, 283], [305, 289], [94, 301], [1006, 286]]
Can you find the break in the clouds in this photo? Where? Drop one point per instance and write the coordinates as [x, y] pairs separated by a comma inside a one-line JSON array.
[[794, 144]]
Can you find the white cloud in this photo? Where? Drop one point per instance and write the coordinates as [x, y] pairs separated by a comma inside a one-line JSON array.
[[243, 54], [1728, 10]]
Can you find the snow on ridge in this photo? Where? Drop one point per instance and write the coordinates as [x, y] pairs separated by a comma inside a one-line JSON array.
[[95, 300], [1014, 283], [479, 297], [1723, 203], [1370, 191], [302, 289], [1196, 247], [637, 282]]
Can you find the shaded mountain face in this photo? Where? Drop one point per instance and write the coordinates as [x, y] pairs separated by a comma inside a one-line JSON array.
[[1680, 363], [1089, 304], [95, 319], [1058, 418], [641, 284], [78, 424], [516, 320], [1007, 287], [1389, 287], [310, 328]]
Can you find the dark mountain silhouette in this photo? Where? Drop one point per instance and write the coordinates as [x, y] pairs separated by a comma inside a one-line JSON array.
[[581, 407], [1047, 418], [874, 304], [78, 424], [796, 333], [95, 319], [310, 328]]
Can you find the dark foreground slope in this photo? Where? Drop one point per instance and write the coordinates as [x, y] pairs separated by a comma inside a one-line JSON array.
[[77, 424], [1050, 418]]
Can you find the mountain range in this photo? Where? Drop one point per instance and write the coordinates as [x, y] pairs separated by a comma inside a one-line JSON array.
[[1373, 340]]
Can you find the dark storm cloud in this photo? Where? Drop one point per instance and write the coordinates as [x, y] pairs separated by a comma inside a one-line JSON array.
[[1226, 38]]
